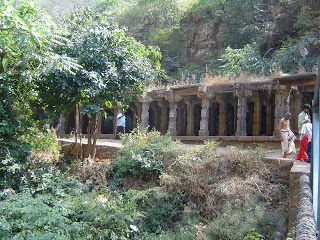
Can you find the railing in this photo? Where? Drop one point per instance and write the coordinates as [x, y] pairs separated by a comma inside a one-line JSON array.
[[315, 159]]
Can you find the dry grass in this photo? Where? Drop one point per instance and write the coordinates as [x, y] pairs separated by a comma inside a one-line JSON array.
[[210, 80], [235, 177]]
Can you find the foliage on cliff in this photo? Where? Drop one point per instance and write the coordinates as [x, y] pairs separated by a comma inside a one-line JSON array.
[[194, 34]]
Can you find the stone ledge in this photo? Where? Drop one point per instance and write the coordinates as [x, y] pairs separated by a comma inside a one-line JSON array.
[[229, 138], [298, 169]]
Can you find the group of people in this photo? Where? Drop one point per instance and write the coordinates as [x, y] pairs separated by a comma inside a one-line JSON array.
[[287, 137]]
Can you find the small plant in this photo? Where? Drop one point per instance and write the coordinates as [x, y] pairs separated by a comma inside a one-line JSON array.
[[253, 235], [207, 151]]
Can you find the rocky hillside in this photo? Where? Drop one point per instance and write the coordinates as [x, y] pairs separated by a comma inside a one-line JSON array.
[[226, 37]]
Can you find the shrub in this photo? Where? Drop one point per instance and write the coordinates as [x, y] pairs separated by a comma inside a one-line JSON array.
[[43, 144], [234, 221], [161, 209], [41, 217], [144, 154], [109, 214]]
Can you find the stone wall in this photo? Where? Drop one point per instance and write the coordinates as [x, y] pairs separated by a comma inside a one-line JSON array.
[[103, 151], [306, 227]]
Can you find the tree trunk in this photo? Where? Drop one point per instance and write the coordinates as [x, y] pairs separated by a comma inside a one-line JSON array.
[[96, 133], [93, 134], [76, 129], [80, 130]]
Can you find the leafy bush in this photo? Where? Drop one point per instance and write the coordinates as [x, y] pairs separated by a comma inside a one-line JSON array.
[[109, 214], [42, 142], [161, 209], [246, 59], [235, 221], [144, 154], [24, 216]]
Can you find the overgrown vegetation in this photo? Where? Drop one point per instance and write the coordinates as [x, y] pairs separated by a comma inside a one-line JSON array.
[[155, 189]]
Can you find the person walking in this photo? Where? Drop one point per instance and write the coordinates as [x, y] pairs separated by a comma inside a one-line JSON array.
[[302, 118], [306, 134], [121, 124], [284, 132]]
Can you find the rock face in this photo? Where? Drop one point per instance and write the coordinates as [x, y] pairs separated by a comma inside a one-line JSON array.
[[201, 38]]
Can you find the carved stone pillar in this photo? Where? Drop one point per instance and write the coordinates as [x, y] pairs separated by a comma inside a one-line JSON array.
[[222, 116], [190, 118], [256, 130], [242, 95], [204, 130], [281, 95], [172, 127], [295, 108], [241, 117]]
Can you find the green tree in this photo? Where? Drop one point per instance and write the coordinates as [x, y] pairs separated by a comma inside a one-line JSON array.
[[246, 59], [22, 37], [114, 68]]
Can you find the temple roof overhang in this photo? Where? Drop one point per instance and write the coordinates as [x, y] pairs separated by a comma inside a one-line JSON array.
[[296, 79]]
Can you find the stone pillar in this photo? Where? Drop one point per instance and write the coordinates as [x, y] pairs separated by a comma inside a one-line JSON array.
[[172, 127], [241, 94], [139, 110], [222, 116], [280, 107], [256, 130], [241, 117], [295, 108], [61, 130], [134, 118], [190, 118], [269, 120], [204, 130], [145, 114]]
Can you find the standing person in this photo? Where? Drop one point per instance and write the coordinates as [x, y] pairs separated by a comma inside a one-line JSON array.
[[302, 117], [306, 134], [121, 124], [284, 132]]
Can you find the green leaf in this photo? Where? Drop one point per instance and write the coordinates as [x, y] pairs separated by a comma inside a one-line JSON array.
[[5, 62], [21, 40], [20, 20]]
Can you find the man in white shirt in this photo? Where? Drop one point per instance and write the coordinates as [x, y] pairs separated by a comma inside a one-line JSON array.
[[121, 124], [306, 130], [302, 117]]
